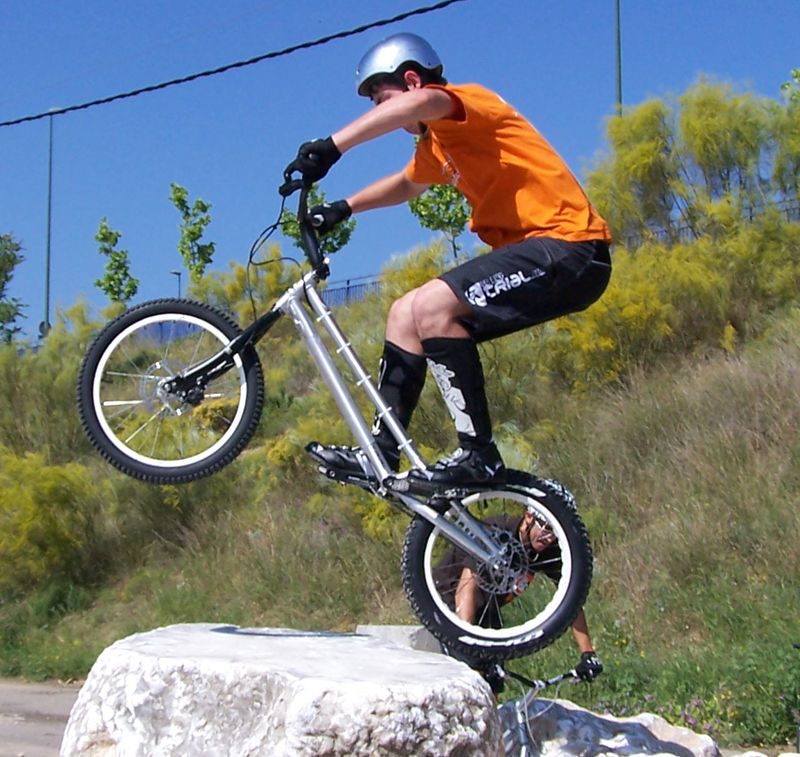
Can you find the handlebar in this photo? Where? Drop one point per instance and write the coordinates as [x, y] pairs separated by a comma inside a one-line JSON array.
[[307, 234], [541, 684]]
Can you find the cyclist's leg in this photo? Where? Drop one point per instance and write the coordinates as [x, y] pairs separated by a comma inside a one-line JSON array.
[[505, 291], [401, 377], [431, 319], [454, 361]]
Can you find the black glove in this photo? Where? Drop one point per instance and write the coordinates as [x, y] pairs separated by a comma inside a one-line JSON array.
[[314, 159], [589, 667], [326, 217]]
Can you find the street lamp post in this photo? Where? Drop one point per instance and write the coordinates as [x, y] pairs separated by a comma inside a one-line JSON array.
[[618, 35], [178, 274], [44, 328]]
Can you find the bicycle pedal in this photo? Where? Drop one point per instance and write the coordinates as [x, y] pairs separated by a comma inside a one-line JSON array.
[[439, 500], [399, 484], [456, 493], [345, 479]]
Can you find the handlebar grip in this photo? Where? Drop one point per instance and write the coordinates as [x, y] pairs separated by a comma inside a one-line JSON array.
[[307, 234]]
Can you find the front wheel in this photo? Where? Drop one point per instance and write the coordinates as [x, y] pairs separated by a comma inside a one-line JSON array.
[[132, 418], [530, 594]]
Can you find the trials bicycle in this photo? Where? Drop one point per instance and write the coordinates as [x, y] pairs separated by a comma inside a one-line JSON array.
[[172, 390]]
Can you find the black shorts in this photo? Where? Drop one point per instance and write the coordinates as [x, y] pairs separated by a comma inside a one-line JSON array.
[[530, 282]]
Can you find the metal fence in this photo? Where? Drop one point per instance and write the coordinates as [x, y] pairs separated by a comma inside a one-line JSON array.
[[685, 234], [350, 290]]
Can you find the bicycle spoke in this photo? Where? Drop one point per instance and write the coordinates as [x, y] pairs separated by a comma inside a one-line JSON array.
[[134, 375], [155, 440], [193, 359], [144, 425]]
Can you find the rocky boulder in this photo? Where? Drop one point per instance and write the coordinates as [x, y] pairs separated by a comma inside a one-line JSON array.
[[559, 727], [204, 689]]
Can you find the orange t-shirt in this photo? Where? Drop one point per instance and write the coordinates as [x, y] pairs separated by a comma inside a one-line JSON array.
[[516, 183]]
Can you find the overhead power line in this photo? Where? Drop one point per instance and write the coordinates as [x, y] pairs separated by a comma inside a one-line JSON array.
[[238, 64]]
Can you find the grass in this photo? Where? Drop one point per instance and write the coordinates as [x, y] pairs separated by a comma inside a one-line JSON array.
[[688, 478], [688, 481]]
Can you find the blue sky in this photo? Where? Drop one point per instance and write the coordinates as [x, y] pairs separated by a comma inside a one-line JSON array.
[[227, 138]]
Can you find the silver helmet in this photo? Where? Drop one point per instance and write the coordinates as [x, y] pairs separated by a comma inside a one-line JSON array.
[[389, 55]]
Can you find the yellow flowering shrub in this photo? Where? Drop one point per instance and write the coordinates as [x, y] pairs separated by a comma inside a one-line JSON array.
[[50, 516]]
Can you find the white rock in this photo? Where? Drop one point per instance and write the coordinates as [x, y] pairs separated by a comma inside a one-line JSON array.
[[558, 727], [201, 689], [414, 637]]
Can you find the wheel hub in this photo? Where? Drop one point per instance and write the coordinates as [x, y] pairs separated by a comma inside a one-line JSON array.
[[509, 572], [156, 392]]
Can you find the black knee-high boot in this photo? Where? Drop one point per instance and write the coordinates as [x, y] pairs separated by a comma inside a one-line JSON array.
[[401, 377], [456, 367]]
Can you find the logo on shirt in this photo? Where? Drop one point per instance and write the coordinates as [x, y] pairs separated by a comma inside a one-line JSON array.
[[450, 170], [493, 286]]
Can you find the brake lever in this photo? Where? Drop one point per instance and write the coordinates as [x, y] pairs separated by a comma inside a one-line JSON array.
[[290, 184]]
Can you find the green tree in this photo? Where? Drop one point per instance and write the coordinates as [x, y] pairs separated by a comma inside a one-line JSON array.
[[330, 242], [10, 307], [442, 208], [712, 159], [637, 186], [117, 282], [786, 126], [792, 88], [194, 219], [724, 134]]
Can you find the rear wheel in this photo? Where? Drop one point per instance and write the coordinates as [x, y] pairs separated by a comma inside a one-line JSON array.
[[135, 421], [527, 598]]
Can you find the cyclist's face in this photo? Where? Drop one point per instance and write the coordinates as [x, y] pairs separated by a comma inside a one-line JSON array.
[[535, 535]]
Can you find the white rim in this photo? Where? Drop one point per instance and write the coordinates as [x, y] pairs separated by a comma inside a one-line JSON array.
[[534, 624], [118, 443]]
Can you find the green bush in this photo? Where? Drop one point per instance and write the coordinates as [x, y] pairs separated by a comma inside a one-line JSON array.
[[54, 524]]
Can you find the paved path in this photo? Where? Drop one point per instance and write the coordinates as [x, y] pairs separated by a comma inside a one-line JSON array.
[[33, 717]]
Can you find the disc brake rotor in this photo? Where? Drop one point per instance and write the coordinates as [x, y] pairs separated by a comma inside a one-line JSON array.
[[509, 573]]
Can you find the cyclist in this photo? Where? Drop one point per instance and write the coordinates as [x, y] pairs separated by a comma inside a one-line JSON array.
[[457, 578], [550, 248]]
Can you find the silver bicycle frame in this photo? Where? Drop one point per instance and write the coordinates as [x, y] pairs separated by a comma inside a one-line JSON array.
[[470, 536]]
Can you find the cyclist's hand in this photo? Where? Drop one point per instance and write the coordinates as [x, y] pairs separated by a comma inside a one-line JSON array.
[[326, 217], [314, 159], [589, 667]]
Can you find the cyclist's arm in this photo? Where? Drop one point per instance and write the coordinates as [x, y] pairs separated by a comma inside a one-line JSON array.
[[580, 632], [390, 190], [409, 108]]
